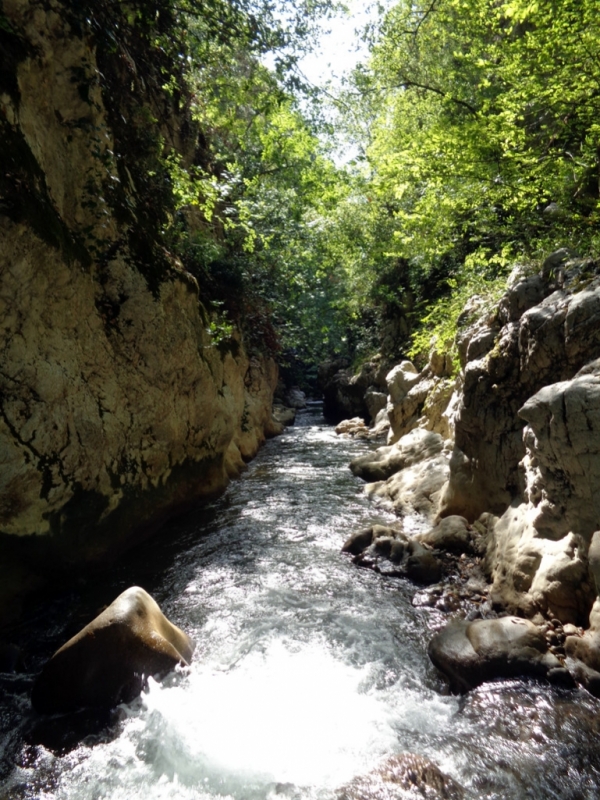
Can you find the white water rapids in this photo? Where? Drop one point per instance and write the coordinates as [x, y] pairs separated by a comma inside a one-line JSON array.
[[307, 671]]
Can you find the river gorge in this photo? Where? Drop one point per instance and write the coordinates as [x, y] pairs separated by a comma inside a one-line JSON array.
[[308, 670]]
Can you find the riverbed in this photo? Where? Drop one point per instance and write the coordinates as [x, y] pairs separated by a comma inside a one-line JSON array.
[[307, 671]]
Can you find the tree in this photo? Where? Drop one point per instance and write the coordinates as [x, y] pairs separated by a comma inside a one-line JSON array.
[[485, 143]]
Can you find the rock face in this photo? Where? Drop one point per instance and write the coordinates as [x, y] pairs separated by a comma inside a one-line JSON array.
[[117, 404], [346, 395], [469, 653], [505, 463], [108, 662], [401, 777], [586, 649], [411, 473], [419, 400], [527, 443], [539, 560], [506, 360]]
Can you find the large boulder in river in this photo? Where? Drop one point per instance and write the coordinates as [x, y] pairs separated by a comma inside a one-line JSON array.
[[108, 662], [469, 653], [405, 776]]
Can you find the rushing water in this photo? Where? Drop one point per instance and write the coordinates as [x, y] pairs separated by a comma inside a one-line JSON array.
[[307, 670]]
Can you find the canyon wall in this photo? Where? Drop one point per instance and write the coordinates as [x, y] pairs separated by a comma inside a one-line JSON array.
[[117, 404], [521, 424]]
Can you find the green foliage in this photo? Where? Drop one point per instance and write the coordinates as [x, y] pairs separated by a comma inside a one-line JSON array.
[[483, 138], [475, 124], [481, 278]]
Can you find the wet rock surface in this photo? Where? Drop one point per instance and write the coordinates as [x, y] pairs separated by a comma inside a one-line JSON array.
[[403, 777], [471, 652], [393, 554], [109, 661]]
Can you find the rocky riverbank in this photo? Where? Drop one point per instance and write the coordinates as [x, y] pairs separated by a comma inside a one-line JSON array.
[[512, 446]]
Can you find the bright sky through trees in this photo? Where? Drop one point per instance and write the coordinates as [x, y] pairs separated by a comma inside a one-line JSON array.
[[341, 46]]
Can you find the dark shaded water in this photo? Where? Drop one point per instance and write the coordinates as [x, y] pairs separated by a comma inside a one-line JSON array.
[[307, 670]]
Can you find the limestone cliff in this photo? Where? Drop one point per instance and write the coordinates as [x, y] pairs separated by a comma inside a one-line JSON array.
[[117, 405], [522, 433]]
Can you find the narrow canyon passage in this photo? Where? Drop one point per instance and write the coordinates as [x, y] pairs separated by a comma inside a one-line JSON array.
[[307, 672]]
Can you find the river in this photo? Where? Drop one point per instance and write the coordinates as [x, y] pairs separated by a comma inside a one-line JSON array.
[[307, 671]]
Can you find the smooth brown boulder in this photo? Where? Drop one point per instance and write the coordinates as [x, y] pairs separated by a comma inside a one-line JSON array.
[[470, 653], [109, 661]]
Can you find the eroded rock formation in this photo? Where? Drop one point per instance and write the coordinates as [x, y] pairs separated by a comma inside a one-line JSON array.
[[117, 404], [521, 424]]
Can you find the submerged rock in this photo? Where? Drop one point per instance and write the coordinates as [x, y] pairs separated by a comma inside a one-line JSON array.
[[401, 777], [109, 661], [470, 653]]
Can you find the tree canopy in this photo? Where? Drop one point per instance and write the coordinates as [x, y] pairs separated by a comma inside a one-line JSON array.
[[477, 133], [484, 142]]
